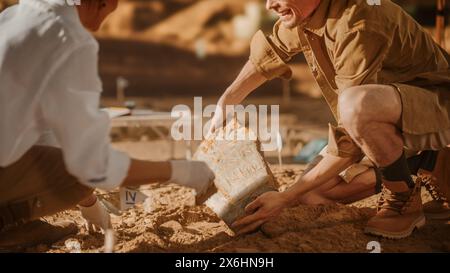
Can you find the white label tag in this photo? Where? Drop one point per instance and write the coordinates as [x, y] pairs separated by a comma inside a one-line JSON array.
[[130, 197]]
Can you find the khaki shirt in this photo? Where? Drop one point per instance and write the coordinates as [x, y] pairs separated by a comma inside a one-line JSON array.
[[351, 43]]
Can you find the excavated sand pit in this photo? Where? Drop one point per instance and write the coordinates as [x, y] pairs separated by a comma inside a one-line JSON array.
[[171, 223]]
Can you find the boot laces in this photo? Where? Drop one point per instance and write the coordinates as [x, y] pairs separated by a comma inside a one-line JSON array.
[[398, 201], [433, 188], [395, 201]]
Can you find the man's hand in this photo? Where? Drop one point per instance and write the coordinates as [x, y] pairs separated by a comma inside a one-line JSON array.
[[248, 80], [193, 174], [267, 206], [217, 120], [222, 114], [96, 216]]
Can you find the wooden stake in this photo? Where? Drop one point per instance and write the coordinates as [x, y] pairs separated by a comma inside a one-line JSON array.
[[440, 23], [279, 149]]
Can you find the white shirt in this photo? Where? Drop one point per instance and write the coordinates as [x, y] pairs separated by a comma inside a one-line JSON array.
[[49, 83]]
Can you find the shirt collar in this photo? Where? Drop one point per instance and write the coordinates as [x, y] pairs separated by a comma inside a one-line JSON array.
[[58, 6], [316, 22]]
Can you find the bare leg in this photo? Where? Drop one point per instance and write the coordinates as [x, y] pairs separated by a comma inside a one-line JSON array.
[[362, 186], [371, 114]]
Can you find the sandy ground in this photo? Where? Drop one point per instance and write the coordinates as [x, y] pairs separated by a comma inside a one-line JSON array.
[[170, 222]]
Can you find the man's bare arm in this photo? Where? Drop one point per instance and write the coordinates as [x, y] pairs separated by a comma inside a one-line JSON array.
[[143, 172], [328, 168], [248, 80]]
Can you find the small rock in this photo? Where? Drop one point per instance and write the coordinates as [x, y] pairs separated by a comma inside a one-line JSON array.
[[129, 222], [149, 205], [170, 227], [73, 245]]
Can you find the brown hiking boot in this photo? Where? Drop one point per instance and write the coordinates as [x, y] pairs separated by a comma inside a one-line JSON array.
[[437, 184], [398, 213], [34, 233]]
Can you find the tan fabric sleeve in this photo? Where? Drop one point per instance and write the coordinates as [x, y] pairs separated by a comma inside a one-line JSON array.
[[270, 54], [340, 144], [359, 56]]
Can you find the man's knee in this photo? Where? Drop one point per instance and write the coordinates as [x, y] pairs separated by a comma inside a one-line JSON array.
[[45, 188], [352, 102], [360, 105]]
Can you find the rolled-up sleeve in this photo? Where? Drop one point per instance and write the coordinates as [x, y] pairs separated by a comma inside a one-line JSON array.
[[340, 144], [70, 108], [271, 54]]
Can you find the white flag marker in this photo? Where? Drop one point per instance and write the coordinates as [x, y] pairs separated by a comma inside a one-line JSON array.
[[110, 241], [279, 148]]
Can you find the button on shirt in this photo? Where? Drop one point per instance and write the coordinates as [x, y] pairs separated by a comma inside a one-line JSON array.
[[49, 83]]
